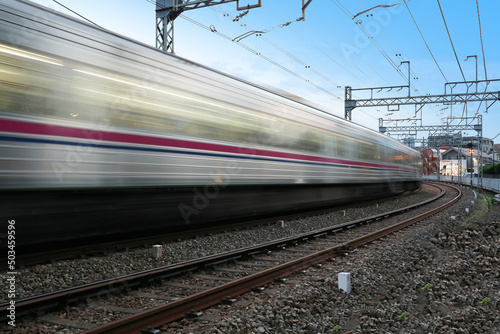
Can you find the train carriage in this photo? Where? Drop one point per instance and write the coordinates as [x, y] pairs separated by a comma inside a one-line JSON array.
[[103, 136]]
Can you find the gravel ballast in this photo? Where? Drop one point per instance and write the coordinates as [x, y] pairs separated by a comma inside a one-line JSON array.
[[439, 277], [44, 278]]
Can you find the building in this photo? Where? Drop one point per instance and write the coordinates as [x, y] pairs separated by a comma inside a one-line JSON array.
[[445, 140], [486, 143], [460, 160], [457, 140]]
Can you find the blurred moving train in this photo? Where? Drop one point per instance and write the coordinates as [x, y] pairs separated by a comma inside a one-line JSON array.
[[102, 136]]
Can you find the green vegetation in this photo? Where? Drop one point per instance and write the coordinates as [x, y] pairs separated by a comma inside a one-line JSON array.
[[485, 301], [427, 287], [492, 169], [483, 209], [335, 329], [489, 198], [403, 315]]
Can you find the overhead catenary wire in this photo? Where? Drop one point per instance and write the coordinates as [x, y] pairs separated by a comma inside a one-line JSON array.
[[317, 48], [239, 38], [211, 29], [377, 45], [354, 65], [83, 17], [481, 38], [331, 46], [296, 59], [484, 58], [427, 45], [371, 39], [289, 54], [342, 8], [260, 55], [398, 54], [312, 69], [378, 6], [391, 44], [451, 41], [251, 32]]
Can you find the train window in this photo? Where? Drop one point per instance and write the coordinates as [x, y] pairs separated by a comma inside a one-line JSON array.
[[73, 92], [353, 148], [365, 151], [378, 152], [391, 154], [33, 88], [132, 105], [340, 146]]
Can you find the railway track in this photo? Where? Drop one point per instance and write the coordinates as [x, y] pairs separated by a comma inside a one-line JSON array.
[[216, 278], [108, 247]]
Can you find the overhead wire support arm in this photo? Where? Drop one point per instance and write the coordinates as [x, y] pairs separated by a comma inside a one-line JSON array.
[[379, 89], [350, 103], [304, 6], [437, 128], [168, 10], [425, 99], [468, 83]]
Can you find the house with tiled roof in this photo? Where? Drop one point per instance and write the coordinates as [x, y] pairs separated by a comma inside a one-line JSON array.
[[463, 160]]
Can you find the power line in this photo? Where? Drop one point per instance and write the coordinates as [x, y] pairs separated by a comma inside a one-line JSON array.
[[371, 39], [212, 29], [238, 40], [421, 35], [391, 44], [316, 47], [393, 47], [342, 8], [339, 52], [377, 45], [259, 54], [398, 54], [484, 59], [481, 37], [83, 17], [449, 36], [225, 14]]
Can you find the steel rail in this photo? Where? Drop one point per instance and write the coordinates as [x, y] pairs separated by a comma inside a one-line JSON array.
[[390, 229], [161, 315], [58, 299], [75, 252]]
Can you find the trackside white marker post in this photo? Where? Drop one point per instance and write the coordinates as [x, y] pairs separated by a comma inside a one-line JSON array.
[[157, 251], [345, 282]]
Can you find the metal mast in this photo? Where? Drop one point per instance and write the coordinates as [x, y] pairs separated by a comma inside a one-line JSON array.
[[465, 123], [168, 10]]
